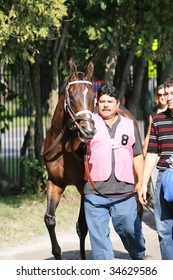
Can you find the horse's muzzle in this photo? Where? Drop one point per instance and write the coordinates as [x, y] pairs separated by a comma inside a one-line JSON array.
[[85, 127], [86, 133]]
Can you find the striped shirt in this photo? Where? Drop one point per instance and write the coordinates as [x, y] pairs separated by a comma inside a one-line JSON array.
[[161, 138]]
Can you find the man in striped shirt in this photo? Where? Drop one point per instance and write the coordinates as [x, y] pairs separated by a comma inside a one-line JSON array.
[[161, 145]]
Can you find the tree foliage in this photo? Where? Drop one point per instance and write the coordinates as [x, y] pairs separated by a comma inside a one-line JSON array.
[[48, 33], [25, 25], [133, 25]]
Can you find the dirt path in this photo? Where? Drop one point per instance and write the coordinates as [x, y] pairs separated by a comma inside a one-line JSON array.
[[40, 249]]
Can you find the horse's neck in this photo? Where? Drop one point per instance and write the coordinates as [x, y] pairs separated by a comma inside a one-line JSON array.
[[125, 113]]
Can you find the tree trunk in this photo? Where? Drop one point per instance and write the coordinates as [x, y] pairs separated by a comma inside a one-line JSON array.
[[167, 71], [54, 93], [38, 137], [125, 75], [30, 143], [110, 67], [134, 97]]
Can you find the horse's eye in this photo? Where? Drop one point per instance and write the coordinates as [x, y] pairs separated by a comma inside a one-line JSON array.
[[71, 98]]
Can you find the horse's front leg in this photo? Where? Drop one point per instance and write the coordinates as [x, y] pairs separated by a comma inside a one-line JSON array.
[[53, 199], [81, 229]]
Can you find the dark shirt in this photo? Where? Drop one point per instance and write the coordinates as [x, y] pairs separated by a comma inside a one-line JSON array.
[[161, 138], [112, 185]]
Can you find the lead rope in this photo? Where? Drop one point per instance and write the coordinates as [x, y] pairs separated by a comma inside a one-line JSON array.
[[94, 187]]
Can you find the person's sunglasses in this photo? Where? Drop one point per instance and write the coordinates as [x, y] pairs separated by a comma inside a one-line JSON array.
[[161, 94]]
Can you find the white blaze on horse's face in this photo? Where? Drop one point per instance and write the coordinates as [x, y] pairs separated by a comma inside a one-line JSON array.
[[85, 111], [85, 94]]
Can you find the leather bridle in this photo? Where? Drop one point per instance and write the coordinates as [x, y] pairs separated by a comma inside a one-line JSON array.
[[75, 118]]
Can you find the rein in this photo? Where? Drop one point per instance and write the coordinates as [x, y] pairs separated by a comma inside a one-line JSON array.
[[50, 149], [126, 195]]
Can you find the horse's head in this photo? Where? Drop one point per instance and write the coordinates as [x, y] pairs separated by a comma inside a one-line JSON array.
[[79, 101]]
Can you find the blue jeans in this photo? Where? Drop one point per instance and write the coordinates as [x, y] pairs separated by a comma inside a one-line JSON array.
[[163, 212], [123, 213]]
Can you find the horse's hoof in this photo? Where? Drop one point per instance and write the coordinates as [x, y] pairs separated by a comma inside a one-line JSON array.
[[82, 258], [58, 257]]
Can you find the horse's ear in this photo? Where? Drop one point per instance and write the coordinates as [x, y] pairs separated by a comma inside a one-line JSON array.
[[73, 67], [89, 71]]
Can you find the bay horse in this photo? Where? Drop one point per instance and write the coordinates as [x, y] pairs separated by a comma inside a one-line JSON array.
[[72, 118]]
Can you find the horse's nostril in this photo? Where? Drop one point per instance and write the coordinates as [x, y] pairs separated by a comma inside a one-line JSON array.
[[86, 133]]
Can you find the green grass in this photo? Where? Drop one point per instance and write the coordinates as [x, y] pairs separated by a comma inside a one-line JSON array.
[[21, 217]]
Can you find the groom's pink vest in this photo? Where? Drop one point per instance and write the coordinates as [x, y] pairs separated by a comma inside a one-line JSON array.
[[99, 151]]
